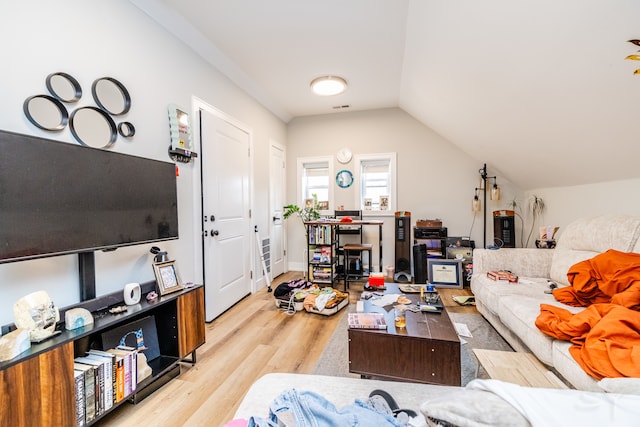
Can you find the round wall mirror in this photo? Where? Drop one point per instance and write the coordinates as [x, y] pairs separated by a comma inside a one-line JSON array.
[[111, 96], [93, 127], [344, 179], [126, 129], [64, 87], [46, 112]]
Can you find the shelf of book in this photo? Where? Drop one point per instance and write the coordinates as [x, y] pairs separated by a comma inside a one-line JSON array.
[[49, 366]]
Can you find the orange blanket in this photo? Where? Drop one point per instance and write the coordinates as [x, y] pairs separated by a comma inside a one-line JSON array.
[[606, 337], [611, 276]]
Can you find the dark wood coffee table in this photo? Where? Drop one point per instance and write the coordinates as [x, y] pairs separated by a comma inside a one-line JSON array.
[[426, 351]]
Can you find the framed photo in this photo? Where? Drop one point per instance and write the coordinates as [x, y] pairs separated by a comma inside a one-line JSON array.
[[167, 277], [323, 205], [445, 273]]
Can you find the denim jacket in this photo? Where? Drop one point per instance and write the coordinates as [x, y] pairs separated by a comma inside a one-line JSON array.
[[293, 408]]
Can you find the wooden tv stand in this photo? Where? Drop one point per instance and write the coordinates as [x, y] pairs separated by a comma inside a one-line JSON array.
[[37, 387]]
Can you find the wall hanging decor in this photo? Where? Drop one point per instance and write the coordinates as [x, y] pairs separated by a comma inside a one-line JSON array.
[[90, 125], [181, 146]]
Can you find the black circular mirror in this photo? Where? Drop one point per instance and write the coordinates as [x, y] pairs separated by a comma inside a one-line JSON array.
[[126, 129], [46, 112], [111, 96], [93, 127], [64, 87]]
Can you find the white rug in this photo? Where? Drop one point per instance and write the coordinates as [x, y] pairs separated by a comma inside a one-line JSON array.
[[334, 360]]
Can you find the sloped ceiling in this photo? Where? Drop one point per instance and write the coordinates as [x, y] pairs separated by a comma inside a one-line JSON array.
[[539, 90]]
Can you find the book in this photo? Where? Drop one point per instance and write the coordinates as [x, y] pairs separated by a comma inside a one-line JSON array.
[[78, 377], [120, 374], [89, 390], [367, 321], [99, 381], [109, 375]]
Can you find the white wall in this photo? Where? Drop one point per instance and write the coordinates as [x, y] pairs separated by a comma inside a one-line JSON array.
[[435, 178], [95, 39], [564, 204]]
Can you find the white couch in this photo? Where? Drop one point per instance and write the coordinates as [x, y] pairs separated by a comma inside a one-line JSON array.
[[513, 309], [481, 403]]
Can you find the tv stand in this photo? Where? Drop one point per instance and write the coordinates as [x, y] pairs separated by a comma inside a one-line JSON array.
[[47, 367]]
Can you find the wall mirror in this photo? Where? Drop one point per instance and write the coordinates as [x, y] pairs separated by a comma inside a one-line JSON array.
[[344, 178], [64, 87], [111, 96], [46, 112], [93, 127]]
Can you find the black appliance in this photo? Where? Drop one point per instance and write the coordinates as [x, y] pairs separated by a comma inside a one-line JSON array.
[[420, 263], [504, 229], [403, 246], [434, 238], [62, 198]]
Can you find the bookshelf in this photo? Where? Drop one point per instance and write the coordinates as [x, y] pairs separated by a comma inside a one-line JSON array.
[[38, 386], [322, 250]]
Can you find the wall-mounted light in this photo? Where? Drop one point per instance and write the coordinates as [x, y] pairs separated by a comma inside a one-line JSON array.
[[328, 85]]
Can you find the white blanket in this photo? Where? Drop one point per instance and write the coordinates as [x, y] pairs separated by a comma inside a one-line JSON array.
[[559, 407]]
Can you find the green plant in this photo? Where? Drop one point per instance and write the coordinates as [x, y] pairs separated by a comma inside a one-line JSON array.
[[536, 208]]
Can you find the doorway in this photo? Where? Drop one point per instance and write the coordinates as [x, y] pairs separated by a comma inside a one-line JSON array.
[[277, 190], [226, 211]]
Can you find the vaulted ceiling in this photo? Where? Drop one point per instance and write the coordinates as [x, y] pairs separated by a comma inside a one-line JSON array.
[[540, 90]]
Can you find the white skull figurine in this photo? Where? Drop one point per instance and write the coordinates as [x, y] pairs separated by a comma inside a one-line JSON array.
[[36, 313]]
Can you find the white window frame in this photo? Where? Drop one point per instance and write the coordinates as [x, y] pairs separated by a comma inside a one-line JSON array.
[[361, 160], [301, 162]]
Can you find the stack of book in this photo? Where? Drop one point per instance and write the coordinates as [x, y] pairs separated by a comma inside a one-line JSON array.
[[367, 321], [102, 379]]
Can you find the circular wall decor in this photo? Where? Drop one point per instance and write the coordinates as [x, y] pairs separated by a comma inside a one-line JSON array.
[[93, 127], [64, 87], [126, 129], [111, 96], [344, 178], [344, 155], [46, 112]]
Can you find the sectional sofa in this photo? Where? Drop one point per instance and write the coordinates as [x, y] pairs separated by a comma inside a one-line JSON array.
[[513, 308]]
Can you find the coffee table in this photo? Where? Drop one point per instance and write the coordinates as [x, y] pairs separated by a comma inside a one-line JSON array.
[[426, 351]]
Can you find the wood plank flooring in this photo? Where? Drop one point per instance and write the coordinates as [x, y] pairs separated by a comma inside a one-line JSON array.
[[251, 339]]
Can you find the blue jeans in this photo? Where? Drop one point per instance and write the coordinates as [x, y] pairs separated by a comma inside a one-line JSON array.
[[309, 409]]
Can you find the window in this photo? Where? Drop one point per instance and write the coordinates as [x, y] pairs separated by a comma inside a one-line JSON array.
[[315, 176], [377, 183]]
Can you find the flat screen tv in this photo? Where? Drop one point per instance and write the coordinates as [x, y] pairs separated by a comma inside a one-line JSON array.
[[61, 198]]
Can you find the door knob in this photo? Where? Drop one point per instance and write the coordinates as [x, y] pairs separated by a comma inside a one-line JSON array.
[[215, 232]]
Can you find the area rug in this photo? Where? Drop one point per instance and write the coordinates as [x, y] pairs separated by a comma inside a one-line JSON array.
[[334, 360]]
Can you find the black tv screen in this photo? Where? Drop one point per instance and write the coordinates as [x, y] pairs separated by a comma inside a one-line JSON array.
[[60, 198]]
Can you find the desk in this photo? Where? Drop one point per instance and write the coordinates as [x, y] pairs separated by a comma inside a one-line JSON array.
[[327, 237]]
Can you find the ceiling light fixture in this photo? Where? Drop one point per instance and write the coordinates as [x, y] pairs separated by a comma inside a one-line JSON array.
[[328, 85]]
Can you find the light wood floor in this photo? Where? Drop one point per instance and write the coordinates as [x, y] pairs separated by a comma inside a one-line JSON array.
[[251, 339]]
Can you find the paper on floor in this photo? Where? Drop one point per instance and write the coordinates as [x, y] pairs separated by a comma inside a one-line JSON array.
[[463, 330]]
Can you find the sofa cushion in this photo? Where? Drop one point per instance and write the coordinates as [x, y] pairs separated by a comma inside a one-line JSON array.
[[564, 363], [587, 237], [490, 292]]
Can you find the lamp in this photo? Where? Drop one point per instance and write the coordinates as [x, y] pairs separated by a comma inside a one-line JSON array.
[[495, 195], [476, 204], [328, 85]]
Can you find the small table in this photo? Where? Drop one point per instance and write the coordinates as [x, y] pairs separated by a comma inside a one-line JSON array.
[[518, 368], [426, 351]]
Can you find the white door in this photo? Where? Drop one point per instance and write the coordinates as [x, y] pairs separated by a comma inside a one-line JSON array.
[[277, 174], [226, 213]]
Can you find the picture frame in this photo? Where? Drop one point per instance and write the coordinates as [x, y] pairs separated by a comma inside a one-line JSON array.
[[167, 277], [445, 273]]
